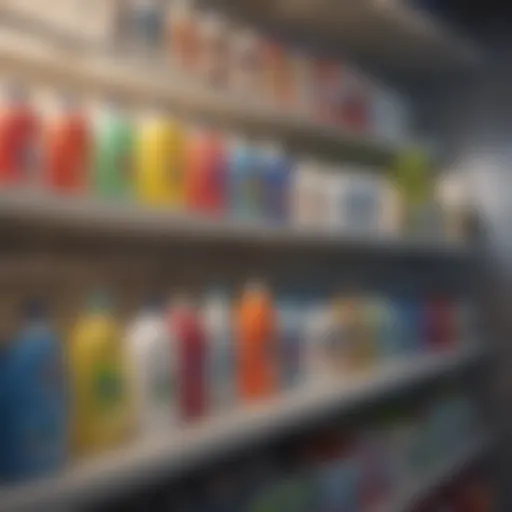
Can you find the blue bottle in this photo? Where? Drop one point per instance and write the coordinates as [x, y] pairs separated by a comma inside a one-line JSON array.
[[276, 168], [4, 445], [245, 180], [291, 342], [35, 401], [409, 325]]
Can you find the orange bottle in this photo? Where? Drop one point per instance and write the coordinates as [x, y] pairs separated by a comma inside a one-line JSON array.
[[257, 372], [66, 149]]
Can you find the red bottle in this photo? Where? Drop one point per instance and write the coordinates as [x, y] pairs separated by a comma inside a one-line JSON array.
[[206, 172], [18, 137], [190, 343], [67, 149], [440, 323]]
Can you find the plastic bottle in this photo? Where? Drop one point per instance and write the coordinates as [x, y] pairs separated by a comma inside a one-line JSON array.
[[291, 343], [350, 342], [114, 152], [388, 339], [440, 323], [189, 335], [279, 74], [206, 173], [309, 201], [67, 148], [373, 317], [183, 33], [246, 180], [319, 325], [218, 324], [4, 427], [246, 62], [159, 168], [213, 56], [102, 415], [277, 170], [19, 129], [256, 339], [152, 364], [145, 25], [34, 399]]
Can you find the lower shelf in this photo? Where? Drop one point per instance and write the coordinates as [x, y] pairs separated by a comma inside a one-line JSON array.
[[137, 465], [436, 478]]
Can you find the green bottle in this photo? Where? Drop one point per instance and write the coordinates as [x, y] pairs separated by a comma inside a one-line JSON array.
[[113, 161]]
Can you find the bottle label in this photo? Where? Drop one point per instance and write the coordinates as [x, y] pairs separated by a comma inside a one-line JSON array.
[[108, 386]]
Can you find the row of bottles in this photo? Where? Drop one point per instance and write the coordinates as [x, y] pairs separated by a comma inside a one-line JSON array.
[[201, 45], [180, 363], [102, 150], [208, 46]]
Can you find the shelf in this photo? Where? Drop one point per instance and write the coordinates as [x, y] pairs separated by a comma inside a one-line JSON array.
[[139, 83], [387, 34], [435, 479], [76, 216], [135, 467]]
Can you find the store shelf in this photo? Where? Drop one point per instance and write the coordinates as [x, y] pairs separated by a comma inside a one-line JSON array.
[[135, 467], [78, 216], [139, 83], [387, 34], [437, 478]]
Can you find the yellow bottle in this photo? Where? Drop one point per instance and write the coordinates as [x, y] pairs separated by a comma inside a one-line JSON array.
[[355, 349], [101, 412], [159, 162]]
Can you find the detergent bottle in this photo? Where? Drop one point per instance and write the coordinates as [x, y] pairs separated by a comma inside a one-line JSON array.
[[206, 177], [319, 325], [184, 36], [34, 399], [291, 342], [19, 128], [439, 322], [218, 324], [159, 169], [349, 348], [114, 151], [187, 330], [145, 20], [276, 168], [101, 412], [5, 429], [246, 180], [213, 61], [152, 365], [256, 340], [67, 148]]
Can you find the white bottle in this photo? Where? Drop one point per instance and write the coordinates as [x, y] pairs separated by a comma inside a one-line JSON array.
[[319, 328], [218, 324], [291, 337], [152, 364], [308, 199]]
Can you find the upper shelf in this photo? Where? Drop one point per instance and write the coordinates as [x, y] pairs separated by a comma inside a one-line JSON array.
[[140, 83], [387, 34]]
